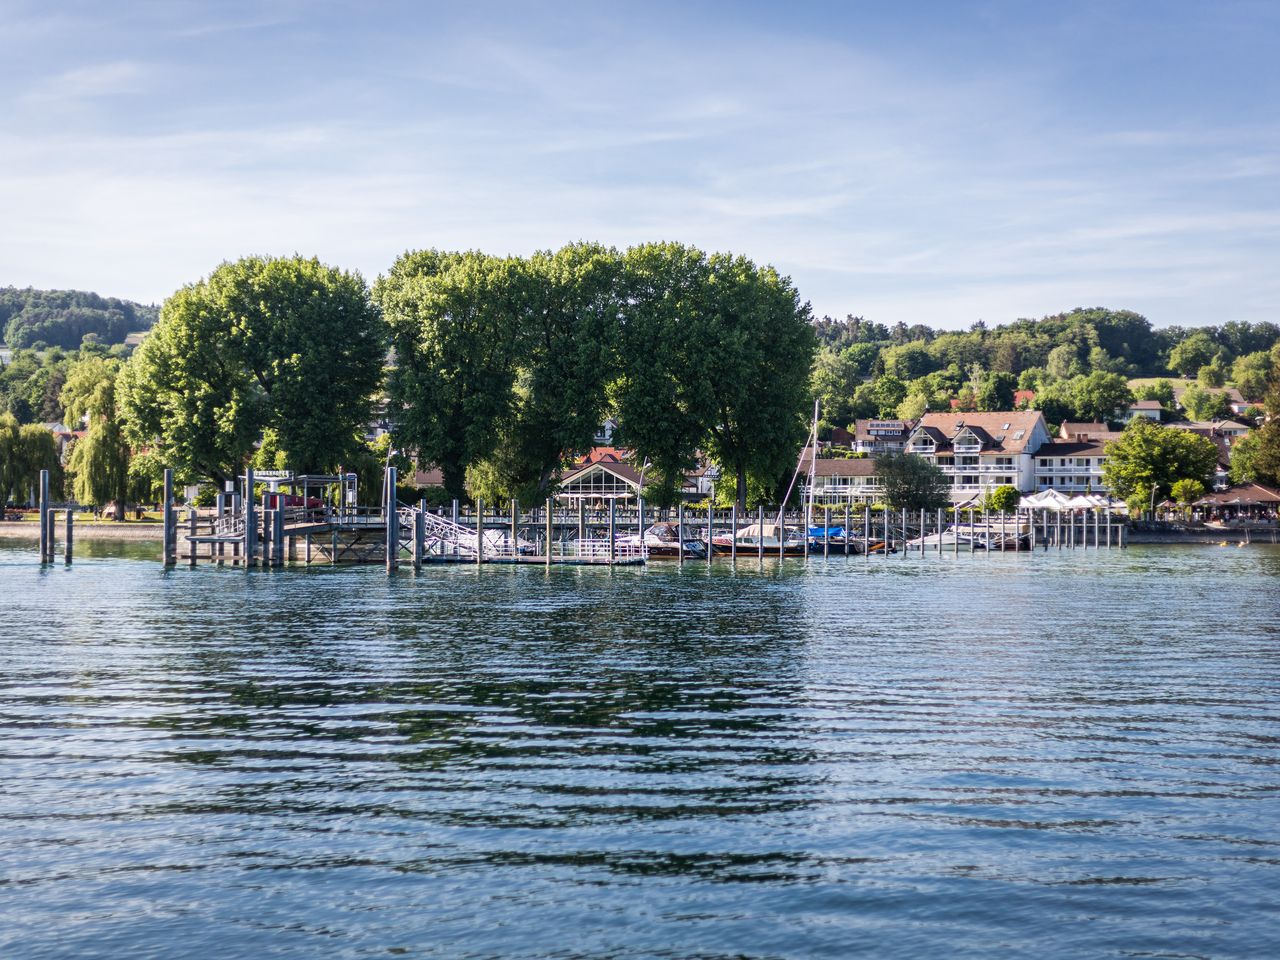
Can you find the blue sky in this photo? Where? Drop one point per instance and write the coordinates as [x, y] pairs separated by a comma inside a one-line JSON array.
[[926, 162]]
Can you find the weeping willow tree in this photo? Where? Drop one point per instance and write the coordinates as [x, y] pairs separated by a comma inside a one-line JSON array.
[[24, 452], [99, 462]]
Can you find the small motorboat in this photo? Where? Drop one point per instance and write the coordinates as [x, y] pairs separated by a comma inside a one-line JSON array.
[[663, 542], [749, 538]]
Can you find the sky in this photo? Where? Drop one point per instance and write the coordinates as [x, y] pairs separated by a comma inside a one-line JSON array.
[[932, 163]]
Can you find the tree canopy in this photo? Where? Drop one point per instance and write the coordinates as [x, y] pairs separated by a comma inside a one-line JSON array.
[[285, 344], [912, 483], [63, 318], [1149, 459]]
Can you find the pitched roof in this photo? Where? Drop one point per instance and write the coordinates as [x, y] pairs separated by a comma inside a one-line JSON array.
[[1001, 427], [1245, 493], [889, 428], [622, 471], [1077, 448], [1145, 405], [1086, 431], [1231, 393], [857, 467]]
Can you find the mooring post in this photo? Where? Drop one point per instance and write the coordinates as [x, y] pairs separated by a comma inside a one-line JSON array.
[[45, 548], [973, 534], [550, 524], [192, 533], [711, 507], [250, 521], [846, 528], [454, 517], [419, 535], [479, 531], [640, 519], [1108, 526], [582, 522], [760, 531], [278, 551], [866, 529], [67, 550], [826, 532], [515, 527], [904, 533], [887, 540], [939, 531], [168, 545], [679, 530], [391, 516], [612, 527], [733, 532]]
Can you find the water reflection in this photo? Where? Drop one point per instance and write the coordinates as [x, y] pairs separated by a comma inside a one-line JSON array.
[[880, 756]]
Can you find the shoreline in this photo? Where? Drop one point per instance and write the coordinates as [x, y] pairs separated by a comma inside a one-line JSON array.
[[85, 530]]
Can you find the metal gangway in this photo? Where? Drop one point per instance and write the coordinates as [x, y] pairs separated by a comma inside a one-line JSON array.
[[444, 538]]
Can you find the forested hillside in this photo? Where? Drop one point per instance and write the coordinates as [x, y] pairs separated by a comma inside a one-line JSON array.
[[63, 318], [1074, 365]]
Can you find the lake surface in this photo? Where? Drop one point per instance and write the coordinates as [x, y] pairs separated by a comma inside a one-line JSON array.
[[1058, 755]]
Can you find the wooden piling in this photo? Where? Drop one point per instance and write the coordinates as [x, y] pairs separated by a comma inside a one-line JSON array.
[[168, 545], [826, 532], [391, 517], [419, 535], [846, 527], [46, 548], [550, 529], [612, 528], [515, 527], [733, 532], [679, 528], [68, 547], [454, 517], [192, 533], [479, 531], [250, 521], [582, 520]]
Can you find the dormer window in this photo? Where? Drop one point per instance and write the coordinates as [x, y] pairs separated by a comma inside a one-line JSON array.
[[1004, 426]]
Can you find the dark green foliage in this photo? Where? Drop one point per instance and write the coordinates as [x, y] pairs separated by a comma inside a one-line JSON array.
[[282, 345], [63, 318], [912, 482]]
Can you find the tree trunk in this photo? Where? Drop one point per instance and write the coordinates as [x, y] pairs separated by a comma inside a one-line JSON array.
[[741, 496]]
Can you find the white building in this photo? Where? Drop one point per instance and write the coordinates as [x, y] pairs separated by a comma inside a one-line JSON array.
[[1071, 467], [881, 436], [982, 451]]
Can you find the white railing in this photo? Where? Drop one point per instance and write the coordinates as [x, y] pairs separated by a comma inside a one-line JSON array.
[[231, 525], [597, 551]]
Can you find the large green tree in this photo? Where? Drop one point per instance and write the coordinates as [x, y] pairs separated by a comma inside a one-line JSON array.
[[283, 344], [99, 462], [25, 450], [666, 361], [1149, 459], [568, 305], [762, 347], [911, 482], [457, 329], [1099, 396]]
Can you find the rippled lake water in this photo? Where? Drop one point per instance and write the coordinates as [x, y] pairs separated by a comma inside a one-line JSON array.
[[1058, 755]]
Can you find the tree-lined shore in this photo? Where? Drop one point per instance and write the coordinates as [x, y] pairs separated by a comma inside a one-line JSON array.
[[499, 370]]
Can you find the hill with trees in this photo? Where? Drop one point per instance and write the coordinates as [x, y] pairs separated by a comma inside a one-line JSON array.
[[1077, 365], [65, 318]]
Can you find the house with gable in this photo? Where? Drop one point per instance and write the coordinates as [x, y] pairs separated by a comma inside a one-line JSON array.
[[981, 451]]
